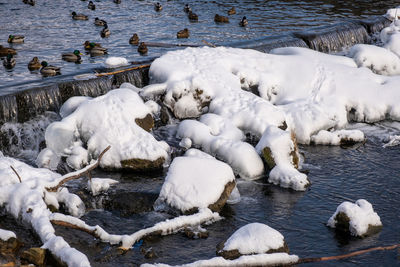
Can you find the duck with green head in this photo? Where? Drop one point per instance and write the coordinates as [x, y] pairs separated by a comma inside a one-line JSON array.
[[4, 51], [91, 5], [9, 62], [34, 64], [15, 39], [48, 70], [90, 45], [72, 57]]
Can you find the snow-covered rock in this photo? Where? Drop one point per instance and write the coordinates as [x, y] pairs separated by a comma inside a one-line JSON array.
[[113, 62], [358, 219], [5, 235], [197, 182], [99, 185], [340, 137], [253, 238], [119, 119]]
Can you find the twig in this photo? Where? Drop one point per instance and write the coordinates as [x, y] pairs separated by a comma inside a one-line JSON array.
[[119, 71], [79, 174], [209, 44], [19, 177], [352, 254], [73, 226]]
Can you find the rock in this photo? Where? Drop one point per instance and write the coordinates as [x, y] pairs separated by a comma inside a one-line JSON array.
[[196, 233], [9, 246], [148, 253], [220, 203], [343, 226], [147, 123], [234, 254], [141, 165], [36, 256], [128, 203]]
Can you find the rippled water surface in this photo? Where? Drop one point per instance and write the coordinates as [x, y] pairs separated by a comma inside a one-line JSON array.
[[50, 31]]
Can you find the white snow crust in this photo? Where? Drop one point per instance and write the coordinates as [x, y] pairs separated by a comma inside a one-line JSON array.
[[334, 138], [113, 62], [361, 215], [99, 185], [5, 234]]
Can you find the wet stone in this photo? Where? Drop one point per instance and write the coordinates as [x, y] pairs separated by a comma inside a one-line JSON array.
[[36, 256], [128, 203]]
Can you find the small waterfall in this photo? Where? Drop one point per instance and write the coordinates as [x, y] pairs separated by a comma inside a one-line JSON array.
[[335, 37], [138, 77], [375, 25], [8, 108]]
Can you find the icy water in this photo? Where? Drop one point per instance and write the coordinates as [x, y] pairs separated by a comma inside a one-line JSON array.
[[50, 31], [338, 174]]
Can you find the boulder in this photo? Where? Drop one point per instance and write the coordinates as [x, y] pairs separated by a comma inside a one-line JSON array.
[[147, 123], [142, 165], [36, 256]]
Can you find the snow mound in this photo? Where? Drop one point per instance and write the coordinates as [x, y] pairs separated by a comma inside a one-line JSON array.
[[360, 217], [195, 182], [393, 14], [287, 176], [255, 238], [339, 137], [97, 123], [5, 235], [113, 62]]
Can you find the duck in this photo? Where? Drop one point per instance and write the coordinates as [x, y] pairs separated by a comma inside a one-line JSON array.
[[90, 45], [48, 70], [34, 64], [142, 48], [220, 19], [243, 22], [183, 33], [99, 22], [91, 5], [134, 40], [105, 32], [158, 7], [98, 51], [4, 51], [29, 2], [79, 16], [72, 57], [193, 16], [9, 62], [232, 11], [15, 39], [187, 8], [117, 1]]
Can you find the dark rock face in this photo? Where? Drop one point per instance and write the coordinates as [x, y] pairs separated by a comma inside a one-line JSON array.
[[217, 206], [9, 246], [142, 165], [234, 254], [36, 256], [128, 203], [147, 123]]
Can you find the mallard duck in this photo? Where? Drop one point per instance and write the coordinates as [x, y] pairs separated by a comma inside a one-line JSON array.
[[220, 19], [243, 22], [99, 22], [91, 5], [15, 39], [117, 1], [232, 11], [157, 7], [9, 62], [72, 57], [4, 51], [183, 33], [90, 45], [29, 2], [193, 16], [48, 70], [134, 40], [187, 8], [79, 16], [105, 32], [34, 64], [98, 51], [142, 48]]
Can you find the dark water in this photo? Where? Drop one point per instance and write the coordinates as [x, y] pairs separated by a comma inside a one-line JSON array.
[[50, 31], [368, 171]]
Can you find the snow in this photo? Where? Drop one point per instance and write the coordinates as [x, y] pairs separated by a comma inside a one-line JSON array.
[[72, 104], [393, 14], [394, 140], [195, 182], [5, 235], [335, 138], [113, 62], [99, 185], [97, 123], [274, 259], [361, 215], [287, 176]]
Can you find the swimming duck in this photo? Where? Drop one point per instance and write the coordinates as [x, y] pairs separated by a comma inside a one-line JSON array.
[[15, 39], [99, 22], [34, 64], [220, 19], [98, 51], [183, 33], [117, 1], [105, 32], [91, 6], [134, 40], [90, 45], [157, 7], [142, 48], [29, 2], [9, 62], [187, 8], [232, 11], [72, 57], [79, 16], [193, 16], [4, 51], [48, 70], [243, 22]]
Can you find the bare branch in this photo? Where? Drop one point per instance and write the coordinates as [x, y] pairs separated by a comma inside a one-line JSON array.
[[84, 172], [19, 177], [73, 226], [119, 71], [209, 44]]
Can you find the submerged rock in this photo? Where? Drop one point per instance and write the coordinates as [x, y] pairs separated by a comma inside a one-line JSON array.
[[128, 203]]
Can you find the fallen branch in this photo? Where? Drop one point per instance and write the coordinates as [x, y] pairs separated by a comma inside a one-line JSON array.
[[119, 71], [19, 177], [77, 175], [73, 226], [209, 44], [352, 254]]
